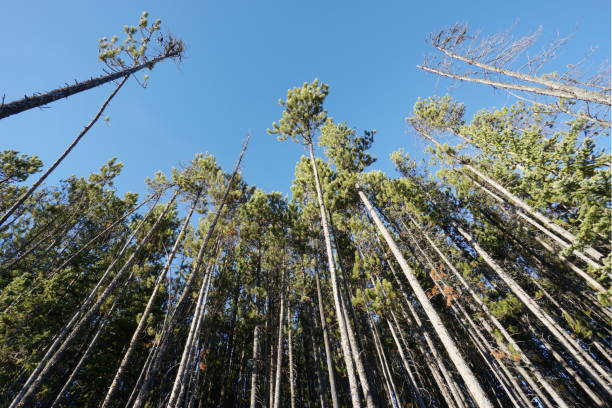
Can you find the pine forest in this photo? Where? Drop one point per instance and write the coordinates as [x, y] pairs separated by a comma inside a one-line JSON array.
[[479, 277]]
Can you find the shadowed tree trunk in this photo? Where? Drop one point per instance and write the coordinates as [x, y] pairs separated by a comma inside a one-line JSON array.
[[38, 100]]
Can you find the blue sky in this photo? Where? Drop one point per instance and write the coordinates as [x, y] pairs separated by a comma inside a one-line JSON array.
[[242, 56]]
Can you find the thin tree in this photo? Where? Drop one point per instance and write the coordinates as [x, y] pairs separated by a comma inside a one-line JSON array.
[[171, 48], [480, 398], [302, 117]]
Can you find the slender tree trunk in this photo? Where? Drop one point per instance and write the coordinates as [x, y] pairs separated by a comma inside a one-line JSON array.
[[413, 383], [386, 370], [279, 351], [290, 362], [149, 307], [56, 349], [480, 398], [316, 351], [196, 321], [253, 399], [344, 342], [35, 101], [328, 355], [597, 373], [355, 351], [28, 193]]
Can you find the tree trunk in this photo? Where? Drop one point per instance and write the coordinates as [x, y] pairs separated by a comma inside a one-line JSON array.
[[57, 162], [597, 373], [413, 383], [328, 355], [196, 321], [253, 399], [70, 331], [290, 362], [480, 398], [344, 342], [35, 101], [279, 351], [149, 307]]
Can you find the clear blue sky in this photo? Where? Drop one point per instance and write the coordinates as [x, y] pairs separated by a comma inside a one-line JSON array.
[[242, 56]]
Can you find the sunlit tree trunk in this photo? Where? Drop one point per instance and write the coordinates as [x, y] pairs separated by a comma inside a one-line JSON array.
[[279, 351], [28, 193], [593, 368], [253, 399], [54, 352], [290, 362], [466, 373], [149, 307], [344, 341], [328, 355], [35, 101]]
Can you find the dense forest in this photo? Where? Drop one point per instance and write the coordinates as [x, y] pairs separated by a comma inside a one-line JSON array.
[[481, 279]]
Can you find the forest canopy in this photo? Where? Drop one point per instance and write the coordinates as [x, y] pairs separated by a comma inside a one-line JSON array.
[[478, 279]]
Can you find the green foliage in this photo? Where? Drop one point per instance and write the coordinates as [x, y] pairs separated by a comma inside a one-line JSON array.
[[303, 113], [578, 326], [15, 167], [507, 307], [135, 47], [344, 149]]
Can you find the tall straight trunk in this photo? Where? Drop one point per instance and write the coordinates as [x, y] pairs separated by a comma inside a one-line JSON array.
[[184, 298], [351, 319], [485, 324], [279, 351], [597, 373], [328, 355], [253, 399], [290, 355], [58, 347], [149, 307], [35, 101], [413, 383], [356, 353], [384, 363], [198, 314], [270, 370], [344, 341], [28, 193], [480, 398], [316, 352]]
